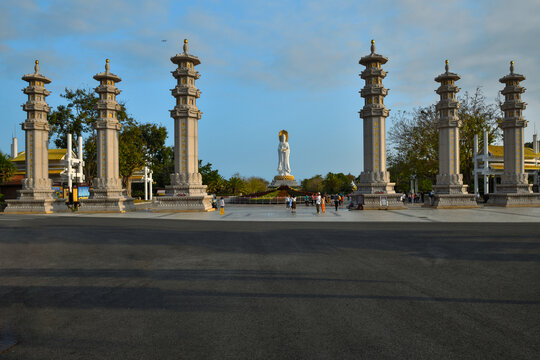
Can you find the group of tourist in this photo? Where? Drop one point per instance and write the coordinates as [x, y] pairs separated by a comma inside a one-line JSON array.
[[318, 200], [416, 198]]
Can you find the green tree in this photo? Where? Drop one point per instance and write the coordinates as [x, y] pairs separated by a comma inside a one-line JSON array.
[[211, 178], [477, 116], [76, 118], [415, 141], [131, 154], [153, 137], [235, 185], [7, 168], [163, 166], [313, 184], [255, 184]]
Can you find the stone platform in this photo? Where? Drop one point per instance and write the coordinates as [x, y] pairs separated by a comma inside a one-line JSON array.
[[454, 201], [183, 196], [514, 200], [283, 180], [196, 203], [383, 201], [39, 200], [35, 206], [107, 205]]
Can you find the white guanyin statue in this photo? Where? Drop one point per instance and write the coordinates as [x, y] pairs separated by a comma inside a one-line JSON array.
[[284, 169]]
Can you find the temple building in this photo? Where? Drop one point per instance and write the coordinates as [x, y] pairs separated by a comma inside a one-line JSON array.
[[449, 190], [186, 191], [489, 164], [57, 171], [36, 195], [514, 189], [375, 191]]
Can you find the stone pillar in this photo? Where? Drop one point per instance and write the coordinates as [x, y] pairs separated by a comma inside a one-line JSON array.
[[186, 192], [449, 190], [514, 189], [36, 195], [375, 180], [107, 195]]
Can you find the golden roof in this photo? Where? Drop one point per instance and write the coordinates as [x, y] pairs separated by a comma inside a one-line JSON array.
[[498, 150], [54, 154], [500, 166]]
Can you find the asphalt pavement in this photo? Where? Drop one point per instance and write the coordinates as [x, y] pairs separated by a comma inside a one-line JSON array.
[[150, 288]]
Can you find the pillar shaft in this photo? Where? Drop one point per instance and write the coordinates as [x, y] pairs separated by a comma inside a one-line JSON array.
[[36, 195], [449, 190], [374, 178], [37, 183], [514, 179], [107, 184], [449, 179], [186, 179]]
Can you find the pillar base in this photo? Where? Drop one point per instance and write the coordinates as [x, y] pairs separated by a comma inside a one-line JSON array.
[[518, 188], [107, 205], [195, 203], [375, 188], [453, 201], [28, 205], [385, 201], [514, 199], [184, 196]]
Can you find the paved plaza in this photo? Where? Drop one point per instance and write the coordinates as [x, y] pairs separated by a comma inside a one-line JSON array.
[[279, 213], [160, 286]]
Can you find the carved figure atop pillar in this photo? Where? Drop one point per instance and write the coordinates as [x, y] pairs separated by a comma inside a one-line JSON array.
[[36, 195], [449, 191]]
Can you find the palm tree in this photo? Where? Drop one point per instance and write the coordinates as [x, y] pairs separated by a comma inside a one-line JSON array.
[[7, 169]]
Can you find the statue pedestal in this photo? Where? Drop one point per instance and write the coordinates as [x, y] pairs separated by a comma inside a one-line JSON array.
[[283, 180]]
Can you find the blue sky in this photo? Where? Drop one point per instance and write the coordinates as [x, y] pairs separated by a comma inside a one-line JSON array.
[[268, 66]]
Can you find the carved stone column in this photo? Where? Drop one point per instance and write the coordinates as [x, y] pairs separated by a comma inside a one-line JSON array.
[[36, 195], [186, 191], [107, 195], [514, 189], [375, 191], [450, 191]]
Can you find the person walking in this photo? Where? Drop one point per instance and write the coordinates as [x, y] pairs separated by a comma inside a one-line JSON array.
[[318, 203], [323, 203], [293, 204], [336, 202], [222, 206], [287, 202]]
